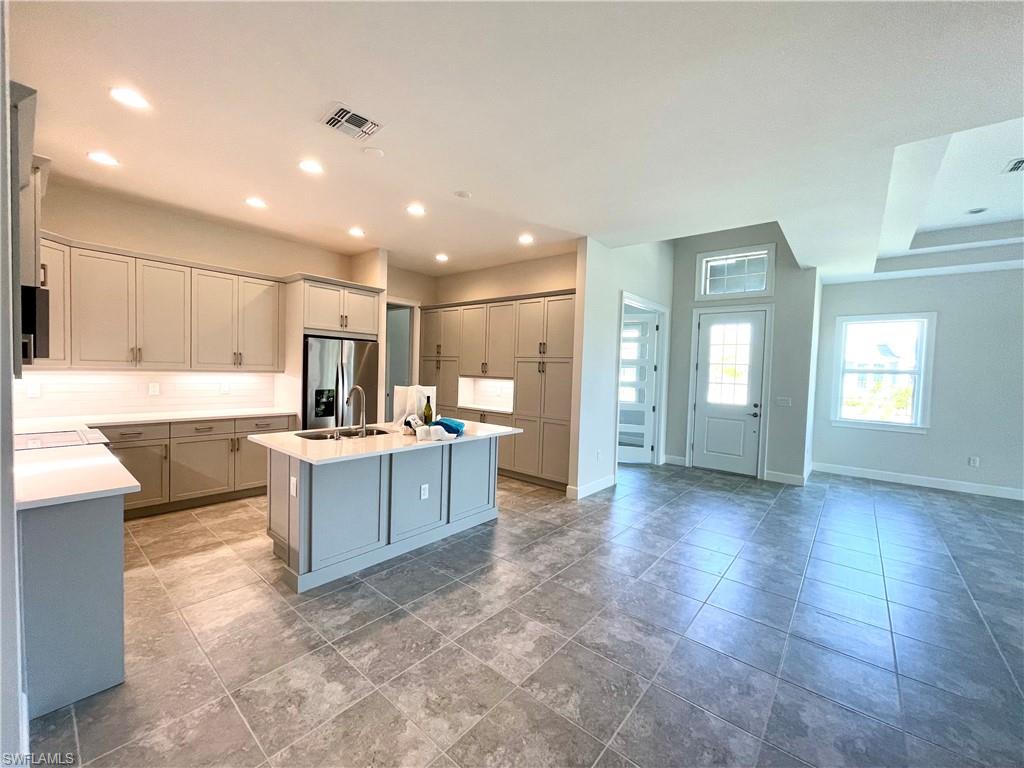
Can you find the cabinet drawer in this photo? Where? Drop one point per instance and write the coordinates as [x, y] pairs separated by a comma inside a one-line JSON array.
[[199, 428], [263, 424], [120, 433]]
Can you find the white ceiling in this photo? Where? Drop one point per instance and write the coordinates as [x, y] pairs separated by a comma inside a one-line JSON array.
[[626, 122]]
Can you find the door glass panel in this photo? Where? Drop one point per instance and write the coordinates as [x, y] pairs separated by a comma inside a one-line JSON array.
[[729, 369]]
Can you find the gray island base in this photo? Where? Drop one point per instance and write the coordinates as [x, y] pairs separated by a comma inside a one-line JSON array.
[[337, 507]]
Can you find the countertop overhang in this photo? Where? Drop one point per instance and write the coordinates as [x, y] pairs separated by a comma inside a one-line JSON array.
[[330, 451], [47, 476]]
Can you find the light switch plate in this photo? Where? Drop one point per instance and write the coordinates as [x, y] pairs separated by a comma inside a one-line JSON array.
[[154, 388], [293, 486], [424, 491], [784, 402], [33, 389]]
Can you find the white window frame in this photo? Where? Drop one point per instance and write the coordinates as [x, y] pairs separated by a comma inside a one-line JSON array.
[[925, 357], [769, 287]]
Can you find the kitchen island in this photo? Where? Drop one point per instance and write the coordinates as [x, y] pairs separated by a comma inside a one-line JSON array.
[[338, 506]]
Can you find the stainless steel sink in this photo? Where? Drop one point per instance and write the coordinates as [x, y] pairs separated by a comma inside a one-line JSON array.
[[347, 433]]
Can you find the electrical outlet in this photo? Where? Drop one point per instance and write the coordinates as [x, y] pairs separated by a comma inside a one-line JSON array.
[[974, 461], [598, 454], [225, 388], [293, 486], [33, 389], [424, 491], [154, 388]]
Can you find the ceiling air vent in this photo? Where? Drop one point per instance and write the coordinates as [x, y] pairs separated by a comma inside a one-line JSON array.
[[341, 118], [1015, 166]]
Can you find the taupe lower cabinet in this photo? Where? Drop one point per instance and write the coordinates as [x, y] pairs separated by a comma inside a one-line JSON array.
[[443, 374], [184, 460], [506, 445]]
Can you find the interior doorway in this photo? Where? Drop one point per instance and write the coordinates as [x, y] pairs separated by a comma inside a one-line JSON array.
[[398, 354], [728, 406], [641, 349]]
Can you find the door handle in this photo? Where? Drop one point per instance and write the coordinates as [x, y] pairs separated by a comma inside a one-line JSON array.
[[754, 414]]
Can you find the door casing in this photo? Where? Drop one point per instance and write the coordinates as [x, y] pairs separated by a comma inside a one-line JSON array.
[[766, 372]]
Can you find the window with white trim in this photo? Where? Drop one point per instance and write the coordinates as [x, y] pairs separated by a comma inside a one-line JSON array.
[[883, 371], [736, 272]]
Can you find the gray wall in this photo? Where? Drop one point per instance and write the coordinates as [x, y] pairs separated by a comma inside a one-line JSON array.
[[792, 351], [978, 379]]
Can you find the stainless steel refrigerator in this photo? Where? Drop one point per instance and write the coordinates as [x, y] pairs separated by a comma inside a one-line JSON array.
[[330, 368]]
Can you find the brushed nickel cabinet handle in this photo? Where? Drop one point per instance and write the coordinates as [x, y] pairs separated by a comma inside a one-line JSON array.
[[439, 349], [165, 451], [129, 434], [538, 366], [540, 347], [44, 280], [203, 429], [241, 358], [262, 424], [138, 353]]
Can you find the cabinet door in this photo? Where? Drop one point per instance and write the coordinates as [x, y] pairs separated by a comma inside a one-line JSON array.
[[450, 323], [448, 383], [501, 349], [258, 324], [429, 367], [163, 314], [346, 517], [102, 309], [360, 311], [529, 327], [559, 319], [55, 276], [529, 388], [557, 400], [146, 461], [430, 333], [554, 451], [201, 466], [526, 457], [411, 514], [214, 320], [474, 341], [470, 479], [250, 464], [323, 306], [506, 445]]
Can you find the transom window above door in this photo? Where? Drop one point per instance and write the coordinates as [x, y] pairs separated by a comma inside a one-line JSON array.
[[736, 272], [883, 371]]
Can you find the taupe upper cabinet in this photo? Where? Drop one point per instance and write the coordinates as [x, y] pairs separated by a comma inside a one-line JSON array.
[[544, 326], [235, 322], [55, 276], [335, 308], [442, 332], [214, 320], [500, 356], [163, 315], [102, 309], [258, 324], [473, 352]]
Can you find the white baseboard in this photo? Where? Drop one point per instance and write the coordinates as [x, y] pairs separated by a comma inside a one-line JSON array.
[[783, 477], [982, 489], [679, 461], [578, 492]]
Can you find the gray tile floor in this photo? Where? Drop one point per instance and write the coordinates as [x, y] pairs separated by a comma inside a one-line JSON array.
[[684, 618]]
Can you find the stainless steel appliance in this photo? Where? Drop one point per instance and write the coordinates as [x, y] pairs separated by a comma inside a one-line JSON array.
[[330, 368]]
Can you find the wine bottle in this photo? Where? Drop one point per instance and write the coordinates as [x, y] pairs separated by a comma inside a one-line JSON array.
[[428, 412]]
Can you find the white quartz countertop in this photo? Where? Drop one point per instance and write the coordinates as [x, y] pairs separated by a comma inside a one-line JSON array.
[[47, 476], [23, 426], [329, 451]]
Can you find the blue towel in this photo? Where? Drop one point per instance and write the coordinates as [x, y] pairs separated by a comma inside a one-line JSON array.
[[453, 426]]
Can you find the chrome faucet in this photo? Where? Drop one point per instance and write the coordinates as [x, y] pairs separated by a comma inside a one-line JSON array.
[[362, 408]]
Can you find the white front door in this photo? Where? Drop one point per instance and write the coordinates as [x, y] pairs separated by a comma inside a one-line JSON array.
[[728, 408], [637, 385]]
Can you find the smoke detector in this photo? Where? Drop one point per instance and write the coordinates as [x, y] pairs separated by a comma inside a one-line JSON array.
[[342, 117], [1015, 166]]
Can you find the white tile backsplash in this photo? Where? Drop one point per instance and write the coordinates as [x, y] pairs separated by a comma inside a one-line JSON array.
[[486, 394], [79, 393]]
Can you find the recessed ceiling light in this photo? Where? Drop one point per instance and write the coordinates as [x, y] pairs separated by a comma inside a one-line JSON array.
[[129, 97], [463, 194], [373, 151], [357, 232], [442, 257], [256, 202], [103, 158], [311, 166], [526, 239], [976, 211], [416, 209]]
